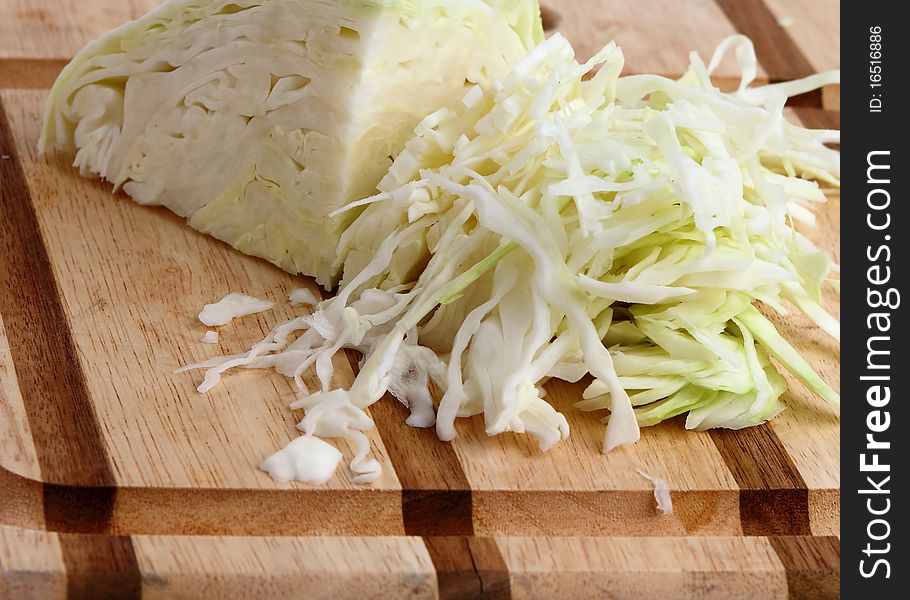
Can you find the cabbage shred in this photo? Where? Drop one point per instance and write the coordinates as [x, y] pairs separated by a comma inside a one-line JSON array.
[[560, 225]]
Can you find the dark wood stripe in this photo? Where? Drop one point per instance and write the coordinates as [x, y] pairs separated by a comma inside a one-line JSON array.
[[99, 567], [469, 567], [33, 504], [777, 52], [30, 504], [436, 501], [491, 568], [29, 72], [818, 118], [550, 18], [812, 565], [813, 99], [436, 495], [773, 498], [439, 512], [65, 431], [455, 574]]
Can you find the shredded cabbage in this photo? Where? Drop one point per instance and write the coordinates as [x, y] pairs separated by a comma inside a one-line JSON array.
[[232, 306], [303, 296], [562, 225]]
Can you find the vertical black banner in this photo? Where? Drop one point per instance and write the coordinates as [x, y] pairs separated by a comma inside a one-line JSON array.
[[875, 255]]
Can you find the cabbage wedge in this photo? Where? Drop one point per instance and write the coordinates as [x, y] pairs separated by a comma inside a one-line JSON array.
[[255, 119]]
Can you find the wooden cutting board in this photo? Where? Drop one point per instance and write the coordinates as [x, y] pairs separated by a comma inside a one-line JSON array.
[[114, 472]]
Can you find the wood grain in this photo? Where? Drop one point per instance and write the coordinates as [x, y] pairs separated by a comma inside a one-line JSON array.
[[469, 567], [782, 58], [34, 566], [812, 565], [57, 29], [131, 296], [61, 418], [380, 567], [656, 36], [432, 478], [722, 568], [786, 33], [97, 304], [29, 72], [130, 306], [316, 567], [16, 446], [814, 26], [99, 567], [517, 488], [773, 496]]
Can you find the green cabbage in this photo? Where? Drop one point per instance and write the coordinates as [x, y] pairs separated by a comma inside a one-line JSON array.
[[561, 225], [255, 119]]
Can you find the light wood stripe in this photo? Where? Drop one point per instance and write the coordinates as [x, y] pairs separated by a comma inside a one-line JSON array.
[[223, 568], [779, 50], [778, 54], [61, 418], [814, 26], [31, 565], [57, 29], [720, 568], [187, 511], [100, 567], [132, 280], [17, 450], [195, 511], [631, 568], [260, 567]]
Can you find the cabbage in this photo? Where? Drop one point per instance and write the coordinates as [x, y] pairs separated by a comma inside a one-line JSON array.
[[558, 224], [255, 119]]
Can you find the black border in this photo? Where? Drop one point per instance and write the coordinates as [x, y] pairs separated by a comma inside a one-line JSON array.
[[863, 132]]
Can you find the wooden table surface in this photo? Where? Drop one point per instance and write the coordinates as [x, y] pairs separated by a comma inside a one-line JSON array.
[[116, 477]]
